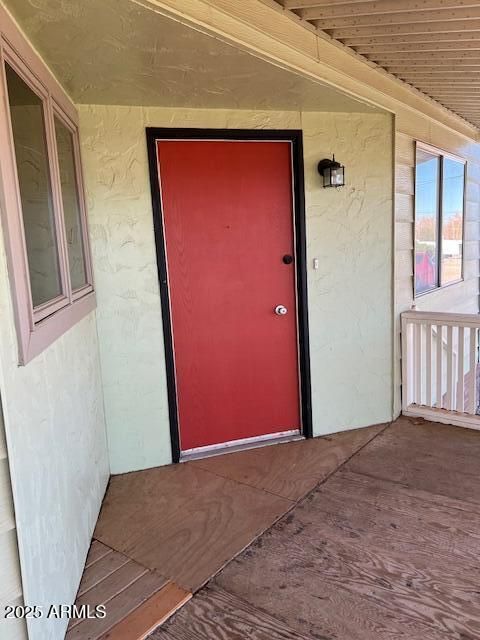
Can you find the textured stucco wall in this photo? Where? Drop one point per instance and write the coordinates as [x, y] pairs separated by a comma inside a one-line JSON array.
[[10, 579], [349, 230], [350, 296], [55, 428]]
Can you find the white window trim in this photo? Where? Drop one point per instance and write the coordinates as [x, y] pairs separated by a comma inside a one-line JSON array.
[[441, 153]]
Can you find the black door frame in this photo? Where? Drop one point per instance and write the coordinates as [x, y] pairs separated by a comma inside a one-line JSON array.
[[294, 136]]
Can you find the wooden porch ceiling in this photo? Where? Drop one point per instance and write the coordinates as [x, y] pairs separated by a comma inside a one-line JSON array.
[[434, 45]]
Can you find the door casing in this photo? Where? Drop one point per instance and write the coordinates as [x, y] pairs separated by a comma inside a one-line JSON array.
[[295, 137]]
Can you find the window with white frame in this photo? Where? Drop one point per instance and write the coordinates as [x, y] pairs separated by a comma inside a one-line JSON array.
[[44, 209], [439, 219]]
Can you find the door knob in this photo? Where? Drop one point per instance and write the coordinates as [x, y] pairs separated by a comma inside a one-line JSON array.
[[280, 310]]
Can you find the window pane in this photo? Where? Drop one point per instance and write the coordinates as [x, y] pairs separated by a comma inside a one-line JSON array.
[[426, 220], [71, 207], [26, 110], [452, 220]]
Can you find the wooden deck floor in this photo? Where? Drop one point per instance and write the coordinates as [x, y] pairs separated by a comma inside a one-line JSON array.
[[165, 532], [388, 547]]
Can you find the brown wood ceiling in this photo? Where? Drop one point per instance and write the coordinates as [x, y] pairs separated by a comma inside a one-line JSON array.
[[433, 45]]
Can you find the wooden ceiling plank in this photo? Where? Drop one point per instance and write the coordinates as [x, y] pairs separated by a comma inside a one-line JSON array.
[[465, 112], [434, 81], [466, 93], [417, 82], [414, 38], [431, 90], [447, 26], [407, 17], [472, 120], [302, 4], [459, 87], [444, 99], [422, 57], [452, 105], [433, 45], [379, 7], [449, 48], [460, 70], [475, 102], [422, 65]]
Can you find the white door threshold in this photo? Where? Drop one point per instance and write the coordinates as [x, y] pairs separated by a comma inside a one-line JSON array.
[[240, 445]]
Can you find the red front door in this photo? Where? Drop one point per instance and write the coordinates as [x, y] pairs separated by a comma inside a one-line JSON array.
[[229, 230]]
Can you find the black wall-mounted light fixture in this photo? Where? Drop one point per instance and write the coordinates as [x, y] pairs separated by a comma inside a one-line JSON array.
[[333, 172]]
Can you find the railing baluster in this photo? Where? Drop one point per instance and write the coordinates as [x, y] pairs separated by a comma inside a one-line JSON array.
[[472, 391], [411, 363], [418, 364], [428, 363], [406, 357], [449, 394], [460, 406], [439, 398]]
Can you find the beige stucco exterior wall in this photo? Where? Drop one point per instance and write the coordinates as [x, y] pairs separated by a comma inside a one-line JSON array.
[[10, 580], [55, 432], [350, 300]]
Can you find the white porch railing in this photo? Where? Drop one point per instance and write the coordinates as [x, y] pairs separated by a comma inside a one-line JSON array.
[[439, 367]]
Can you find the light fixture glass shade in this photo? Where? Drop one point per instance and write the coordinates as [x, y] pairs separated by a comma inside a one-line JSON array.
[[337, 176], [327, 177], [333, 173]]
